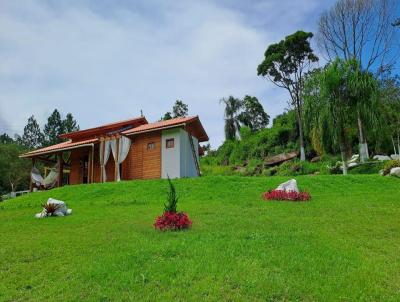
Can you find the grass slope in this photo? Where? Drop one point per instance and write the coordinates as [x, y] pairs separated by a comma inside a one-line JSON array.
[[343, 245]]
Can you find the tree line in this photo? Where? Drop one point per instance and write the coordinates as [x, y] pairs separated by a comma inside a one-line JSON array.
[[15, 171], [34, 137], [355, 92]]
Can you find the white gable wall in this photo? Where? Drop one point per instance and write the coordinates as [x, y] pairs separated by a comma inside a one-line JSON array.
[[170, 158], [188, 167], [178, 161]]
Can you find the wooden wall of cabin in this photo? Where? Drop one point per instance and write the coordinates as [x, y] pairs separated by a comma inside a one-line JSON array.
[[142, 162]]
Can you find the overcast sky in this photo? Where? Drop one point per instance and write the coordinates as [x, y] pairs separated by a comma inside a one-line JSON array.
[[104, 61]]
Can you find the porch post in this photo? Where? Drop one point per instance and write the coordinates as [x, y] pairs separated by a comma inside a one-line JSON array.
[[116, 170], [92, 166], [60, 169], [89, 174], [101, 158], [31, 183]]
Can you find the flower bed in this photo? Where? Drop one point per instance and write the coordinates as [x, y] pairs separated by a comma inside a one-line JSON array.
[[289, 196], [173, 221]]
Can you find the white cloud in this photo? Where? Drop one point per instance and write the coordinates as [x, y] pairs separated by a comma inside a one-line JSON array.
[[107, 63]]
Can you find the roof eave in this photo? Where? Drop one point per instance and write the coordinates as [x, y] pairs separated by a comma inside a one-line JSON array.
[[154, 129], [28, 155]]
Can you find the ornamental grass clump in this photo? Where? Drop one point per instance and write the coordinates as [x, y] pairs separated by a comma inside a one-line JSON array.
[[50, 208], [171, 219], [286, 195]]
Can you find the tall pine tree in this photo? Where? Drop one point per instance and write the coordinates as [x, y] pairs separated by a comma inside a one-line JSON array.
[[33, 136], [53, 129], [70, 124]]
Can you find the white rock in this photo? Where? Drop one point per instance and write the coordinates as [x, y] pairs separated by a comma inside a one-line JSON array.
[[382, 157], [354, 158], [395, 172], [289, 186], [351, 165], [395, 156]]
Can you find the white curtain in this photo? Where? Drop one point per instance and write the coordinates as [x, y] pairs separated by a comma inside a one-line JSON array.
[[123, 150], [107, 146]]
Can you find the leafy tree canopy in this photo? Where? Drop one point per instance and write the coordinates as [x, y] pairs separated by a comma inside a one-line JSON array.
[[180, 109], [287, 59], [5, 139], [253, 115], [14, 171], [167, 116], [285, 64]]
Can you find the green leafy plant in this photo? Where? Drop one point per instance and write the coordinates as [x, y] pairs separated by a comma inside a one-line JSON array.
[[172, 198]]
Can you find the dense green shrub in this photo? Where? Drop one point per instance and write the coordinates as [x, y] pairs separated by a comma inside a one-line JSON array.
[[367, 168], [389, 165], [254, 167], [281, 137], [296, 167]]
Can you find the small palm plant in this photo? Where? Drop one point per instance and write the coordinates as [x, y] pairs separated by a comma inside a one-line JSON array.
[[172, 198]]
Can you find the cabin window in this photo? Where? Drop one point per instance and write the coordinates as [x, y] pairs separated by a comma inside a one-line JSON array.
[[170, 143], [151, 146]]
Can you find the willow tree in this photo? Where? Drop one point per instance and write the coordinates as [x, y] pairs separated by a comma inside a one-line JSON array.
[[285, 64], [364, 89], [328, 102], [362, 30]]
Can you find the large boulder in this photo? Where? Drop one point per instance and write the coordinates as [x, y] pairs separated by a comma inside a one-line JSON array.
[[395, 156], [61, 209], [289, 186], [382, 157], [395, 172]]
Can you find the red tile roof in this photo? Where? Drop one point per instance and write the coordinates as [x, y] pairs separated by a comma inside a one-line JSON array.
[[176, 122], [61, 146], [87, 136], [160, 124], [134, 122]]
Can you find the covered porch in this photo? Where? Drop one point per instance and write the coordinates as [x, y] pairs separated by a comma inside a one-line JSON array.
[[83, 162]]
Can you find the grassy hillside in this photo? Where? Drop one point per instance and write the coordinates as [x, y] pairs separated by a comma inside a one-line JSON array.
[[343, 245]]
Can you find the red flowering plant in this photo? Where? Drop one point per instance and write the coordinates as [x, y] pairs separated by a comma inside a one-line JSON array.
[[171, 219], [286, 195]]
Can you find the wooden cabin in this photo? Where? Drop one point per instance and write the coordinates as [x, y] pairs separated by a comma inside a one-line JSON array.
[[126, 150]]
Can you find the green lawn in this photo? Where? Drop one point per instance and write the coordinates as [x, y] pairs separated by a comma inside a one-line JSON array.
[[343, 245]]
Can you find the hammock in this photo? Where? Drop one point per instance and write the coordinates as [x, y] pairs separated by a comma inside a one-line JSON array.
[[48, 182]]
